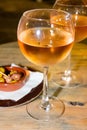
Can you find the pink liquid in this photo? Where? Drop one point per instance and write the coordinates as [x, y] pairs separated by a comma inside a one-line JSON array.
[[45, 46]]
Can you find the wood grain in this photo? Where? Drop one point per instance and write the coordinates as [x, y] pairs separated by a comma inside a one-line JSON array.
[[74, 117]]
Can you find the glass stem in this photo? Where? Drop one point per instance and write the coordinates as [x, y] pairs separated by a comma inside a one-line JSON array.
[[68, 70], [45, 104]]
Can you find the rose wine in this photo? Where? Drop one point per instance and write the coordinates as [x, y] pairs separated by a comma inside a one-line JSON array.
[[45, 46], [80, 27]]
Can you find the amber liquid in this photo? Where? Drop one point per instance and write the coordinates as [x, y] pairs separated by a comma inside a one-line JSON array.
[[45, 46], [80, 28]]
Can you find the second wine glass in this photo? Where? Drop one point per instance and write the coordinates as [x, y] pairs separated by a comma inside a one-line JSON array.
[[78, 8]]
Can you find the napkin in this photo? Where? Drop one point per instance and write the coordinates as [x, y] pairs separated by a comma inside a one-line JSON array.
[[34, 80]]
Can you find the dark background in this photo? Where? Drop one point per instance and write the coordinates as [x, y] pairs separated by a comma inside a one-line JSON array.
[[10, 13]]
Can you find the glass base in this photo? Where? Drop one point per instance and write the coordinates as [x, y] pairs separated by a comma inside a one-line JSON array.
[[36, 111], [67, 80]]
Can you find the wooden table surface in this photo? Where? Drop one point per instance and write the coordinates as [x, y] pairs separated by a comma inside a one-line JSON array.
[[74, 116]]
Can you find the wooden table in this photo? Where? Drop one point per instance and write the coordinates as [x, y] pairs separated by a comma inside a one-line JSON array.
[[74, 117]]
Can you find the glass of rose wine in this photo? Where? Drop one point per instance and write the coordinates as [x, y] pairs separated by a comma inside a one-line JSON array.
[[45, 37], [78, 9]]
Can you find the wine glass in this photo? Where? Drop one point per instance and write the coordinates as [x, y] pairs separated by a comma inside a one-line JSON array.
[[78, 9], [45, 37]]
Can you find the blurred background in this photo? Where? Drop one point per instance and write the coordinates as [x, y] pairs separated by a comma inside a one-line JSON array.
[[10, 13]]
